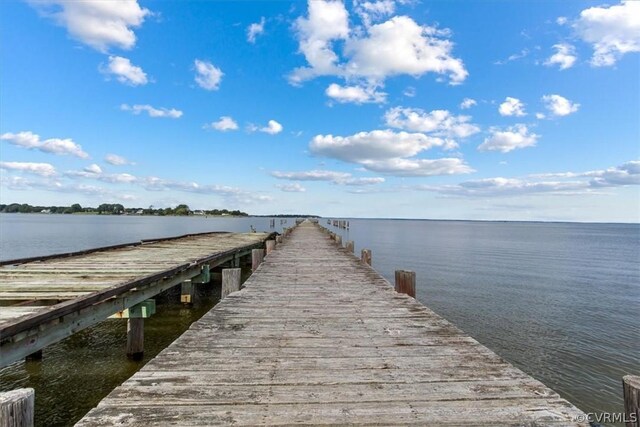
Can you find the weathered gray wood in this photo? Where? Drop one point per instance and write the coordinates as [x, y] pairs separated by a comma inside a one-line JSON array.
[[366, 256], [406, 282], [631, 392], [17, 408], [320, 338], [270, 245], [338, 240], [257, 255], [135, 338], [230, 281], [350, 246], [279, 239], [97, 281]]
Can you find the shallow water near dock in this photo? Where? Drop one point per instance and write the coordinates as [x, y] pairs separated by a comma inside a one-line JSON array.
[[558, 300]]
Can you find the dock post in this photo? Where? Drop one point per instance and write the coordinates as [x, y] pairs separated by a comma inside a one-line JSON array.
[[339, 240], [631, 390], [350, 246], [257, 255], [366, 256], [270, 245], [186, 293], [406, 282], [230, 281], [279, 239], [17, 408], [135, 338], [135, 316]]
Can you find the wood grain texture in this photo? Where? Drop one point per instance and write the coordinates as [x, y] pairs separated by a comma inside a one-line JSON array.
[[317, 337]]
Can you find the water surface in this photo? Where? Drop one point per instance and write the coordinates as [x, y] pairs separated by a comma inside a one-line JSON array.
[[559, 300]]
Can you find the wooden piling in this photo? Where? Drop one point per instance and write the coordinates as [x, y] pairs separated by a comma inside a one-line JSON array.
[[230, 281], [279, 239], [406, 282], [17, 408], [350, 246], [631, 391], [135, 338], [270, 245], [366, 256], [257, 255], [186, 293], [339, 240]]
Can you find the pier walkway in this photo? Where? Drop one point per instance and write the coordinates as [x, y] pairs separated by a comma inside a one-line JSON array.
[[318, 337], [46, 299]]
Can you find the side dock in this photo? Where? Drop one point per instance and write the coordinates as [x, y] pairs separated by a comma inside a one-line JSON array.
[[46, 299], [319, 337]]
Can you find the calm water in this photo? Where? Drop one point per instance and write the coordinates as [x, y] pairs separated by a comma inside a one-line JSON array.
[[560, 301]]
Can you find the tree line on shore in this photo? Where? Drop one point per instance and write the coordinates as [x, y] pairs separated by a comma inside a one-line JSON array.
[[115, 209]]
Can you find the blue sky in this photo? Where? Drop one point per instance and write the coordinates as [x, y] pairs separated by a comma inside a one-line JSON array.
[[496, 110]]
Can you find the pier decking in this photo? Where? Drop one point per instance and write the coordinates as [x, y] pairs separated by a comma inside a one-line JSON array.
[[89, 286], [318, 337]]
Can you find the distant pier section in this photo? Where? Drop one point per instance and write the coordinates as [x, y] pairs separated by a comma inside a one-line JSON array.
[[46, 299], [317, 337]]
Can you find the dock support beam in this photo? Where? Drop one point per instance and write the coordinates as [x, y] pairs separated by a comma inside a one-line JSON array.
[[230, 281], [406, 282], [257, 255], [631, 389], [17, 408], [366, 256]]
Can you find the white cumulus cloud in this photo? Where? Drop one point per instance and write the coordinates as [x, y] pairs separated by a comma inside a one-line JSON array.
[[272, 128], [208, 76], [170, 113], [612, 31], [32, 141], [468, 103], [419, 167], [124, 71], [559, 105], [512, 107], [93, 168], [375, 52], [224, 124], [42, 169], [374, 145], [514, 137], [355, 94], [437, 122], [99, 24], [564, 57], [254, 30]]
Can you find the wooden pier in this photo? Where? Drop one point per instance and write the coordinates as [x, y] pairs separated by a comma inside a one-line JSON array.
[[46, 299], [318, 337]]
